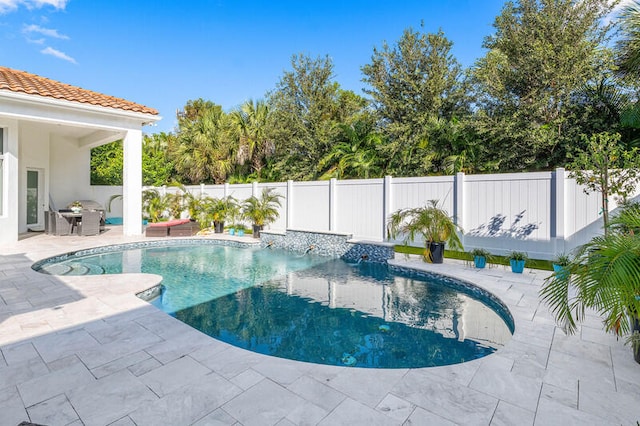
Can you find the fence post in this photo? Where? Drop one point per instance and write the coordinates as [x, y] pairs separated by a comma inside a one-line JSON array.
[[254, 189], [387, 206], [458, 199], [289, 204], [202, 189], [558, 211], [226, 189], [332, 204]]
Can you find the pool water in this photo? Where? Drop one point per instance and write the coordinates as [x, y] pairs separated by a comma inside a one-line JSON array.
[[311, 308]]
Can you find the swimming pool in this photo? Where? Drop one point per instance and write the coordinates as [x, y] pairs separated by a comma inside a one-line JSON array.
[[310, 308]]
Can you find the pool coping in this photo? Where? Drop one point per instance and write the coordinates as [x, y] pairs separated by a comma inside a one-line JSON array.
[[540, 376]]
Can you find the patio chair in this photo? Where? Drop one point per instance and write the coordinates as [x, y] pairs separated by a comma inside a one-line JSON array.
[[59, 225], [89, 223]]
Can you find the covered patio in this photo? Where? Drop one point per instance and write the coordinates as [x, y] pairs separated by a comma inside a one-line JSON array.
[[47, 130]]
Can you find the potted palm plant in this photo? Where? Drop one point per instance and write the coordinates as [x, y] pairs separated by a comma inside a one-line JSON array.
[[517, 259], [560, 263], [432, 223], [480, 257], [262, 211], [605, 277]]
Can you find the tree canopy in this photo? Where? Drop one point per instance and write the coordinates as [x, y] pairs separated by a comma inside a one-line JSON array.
[[551, 77]]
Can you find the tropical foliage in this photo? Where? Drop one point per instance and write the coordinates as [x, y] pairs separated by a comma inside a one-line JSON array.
[[604, 276], [262, 210], [552, 77]]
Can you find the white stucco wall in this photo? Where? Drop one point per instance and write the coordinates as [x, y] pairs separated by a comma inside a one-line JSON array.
[[34, 155], [70, 173]]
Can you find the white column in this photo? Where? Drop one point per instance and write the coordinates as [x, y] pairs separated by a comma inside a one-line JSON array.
[[387, 206], [226, 189], [132, 184], [10, 214], [289, 204], [254, 189]]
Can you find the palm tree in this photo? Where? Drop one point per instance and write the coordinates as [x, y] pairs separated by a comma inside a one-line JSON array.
[[604, 276], [251, 123], [628, 46], [263, 210], [354, 155], [203, 151]]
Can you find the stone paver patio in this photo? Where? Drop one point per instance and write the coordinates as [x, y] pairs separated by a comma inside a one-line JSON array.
[[87, 351]]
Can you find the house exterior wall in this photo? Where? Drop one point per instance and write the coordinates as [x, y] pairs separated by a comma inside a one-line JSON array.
[[70, 171], [55, 137], [33, 149]]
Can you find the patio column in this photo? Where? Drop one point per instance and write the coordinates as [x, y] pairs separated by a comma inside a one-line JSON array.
[[132, 184]]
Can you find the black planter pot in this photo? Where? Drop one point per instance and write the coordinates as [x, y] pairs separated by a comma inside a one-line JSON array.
[[635, 328], [436, 252], [218, 227], [256, 230]]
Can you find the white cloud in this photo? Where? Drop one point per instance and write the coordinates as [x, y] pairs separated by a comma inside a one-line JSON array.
[[7, 6], [58, 54], [48, 32]]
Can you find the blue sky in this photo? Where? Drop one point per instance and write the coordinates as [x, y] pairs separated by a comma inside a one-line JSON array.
[[163, 53]]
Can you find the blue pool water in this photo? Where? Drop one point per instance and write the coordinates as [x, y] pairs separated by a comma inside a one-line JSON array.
[[311, 308]]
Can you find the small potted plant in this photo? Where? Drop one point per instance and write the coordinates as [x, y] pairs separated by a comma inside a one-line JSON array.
[[480, 257], [432, 223], [76, 206], [517, 259], [560, 264]]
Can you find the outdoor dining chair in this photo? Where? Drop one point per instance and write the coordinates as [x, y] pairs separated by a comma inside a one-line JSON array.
[[89, 223]]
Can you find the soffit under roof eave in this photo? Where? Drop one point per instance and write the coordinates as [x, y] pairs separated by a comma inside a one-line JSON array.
[[43, 105]]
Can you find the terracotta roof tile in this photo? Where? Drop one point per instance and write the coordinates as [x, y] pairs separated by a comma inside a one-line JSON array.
[[20, 81]]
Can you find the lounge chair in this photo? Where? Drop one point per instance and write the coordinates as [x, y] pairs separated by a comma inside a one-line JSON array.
[[172, 228]]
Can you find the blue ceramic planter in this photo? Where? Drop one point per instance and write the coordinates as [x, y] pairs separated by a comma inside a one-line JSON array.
[[517, 266], [561, 271], [479, 261]]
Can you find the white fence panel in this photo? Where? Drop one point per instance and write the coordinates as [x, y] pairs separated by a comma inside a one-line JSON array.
[[281, 189], [515, 205], [417, 192], [360, 208], [240, 191], [310, 206], [214, 191]]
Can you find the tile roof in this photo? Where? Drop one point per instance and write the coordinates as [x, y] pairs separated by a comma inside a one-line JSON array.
[[31, 84]]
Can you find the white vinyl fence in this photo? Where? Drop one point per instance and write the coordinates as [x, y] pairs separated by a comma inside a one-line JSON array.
[[543, 213]]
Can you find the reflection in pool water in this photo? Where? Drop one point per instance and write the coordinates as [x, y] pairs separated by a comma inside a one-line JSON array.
[[314, 309]]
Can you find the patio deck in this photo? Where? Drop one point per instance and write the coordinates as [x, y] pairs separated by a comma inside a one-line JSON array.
[[86, 350]]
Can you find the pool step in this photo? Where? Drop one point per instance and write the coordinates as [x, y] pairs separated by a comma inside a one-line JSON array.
[[78, 268]]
